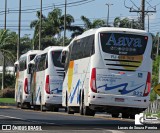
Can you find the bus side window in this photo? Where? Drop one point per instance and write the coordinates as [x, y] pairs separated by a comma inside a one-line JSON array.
[[22, 64], [46, 62], [68, 58], [63, 57], [25, 64], [89, 46], [41, 62]]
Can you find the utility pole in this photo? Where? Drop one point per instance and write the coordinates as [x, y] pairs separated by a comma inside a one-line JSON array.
[[40, 26], [108, 13], [142, 11], [158, 97], [5, 19], [5, 16], [65, 10], [19, 30], [143, 14]]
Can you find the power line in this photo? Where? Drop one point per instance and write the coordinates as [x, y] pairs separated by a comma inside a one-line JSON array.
[[31, 10], [143, 11], [150, 5], [134, 4]]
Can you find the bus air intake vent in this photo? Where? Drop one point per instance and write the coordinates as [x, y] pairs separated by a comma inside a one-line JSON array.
[[60, 72], [122, 60], [120, 69]]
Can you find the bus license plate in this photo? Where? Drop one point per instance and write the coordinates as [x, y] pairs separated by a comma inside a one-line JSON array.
[[119, 99]]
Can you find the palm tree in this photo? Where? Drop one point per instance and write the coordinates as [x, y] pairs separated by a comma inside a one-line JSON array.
[[35, 24], [52, 26], [95, 24], [88, 25], [6, 37], [126, 23], [6, 44], [55, 23], [26, 44]]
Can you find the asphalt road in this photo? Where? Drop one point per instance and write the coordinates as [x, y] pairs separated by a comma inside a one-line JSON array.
[[60, 122]]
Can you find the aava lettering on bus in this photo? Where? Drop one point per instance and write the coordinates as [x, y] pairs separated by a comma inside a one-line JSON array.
[[124, 41]]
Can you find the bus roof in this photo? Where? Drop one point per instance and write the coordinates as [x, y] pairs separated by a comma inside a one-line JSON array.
[[30, 52], [111, 29], [51, 48]]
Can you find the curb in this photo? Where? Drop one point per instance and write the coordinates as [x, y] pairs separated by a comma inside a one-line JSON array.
[[7, 104]]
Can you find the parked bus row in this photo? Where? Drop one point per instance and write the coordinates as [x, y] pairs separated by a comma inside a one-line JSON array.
[[39, 79], [105, 69]]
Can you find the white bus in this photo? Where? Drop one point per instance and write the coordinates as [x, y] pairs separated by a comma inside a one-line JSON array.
[[108, 69], [47, 78], [22, 85]]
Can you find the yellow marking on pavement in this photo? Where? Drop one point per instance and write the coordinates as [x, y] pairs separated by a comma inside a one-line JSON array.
[[3, 106]]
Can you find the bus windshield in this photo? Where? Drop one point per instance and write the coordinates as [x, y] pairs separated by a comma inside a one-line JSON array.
[[123, 44], [56, 58]]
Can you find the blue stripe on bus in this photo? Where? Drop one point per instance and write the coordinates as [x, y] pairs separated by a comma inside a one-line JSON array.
[[57, 90], [37, 93], [123, 91], [19, 92], [71, 97]]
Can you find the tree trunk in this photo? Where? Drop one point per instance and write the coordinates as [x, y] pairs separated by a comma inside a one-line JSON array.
[[3, 73]]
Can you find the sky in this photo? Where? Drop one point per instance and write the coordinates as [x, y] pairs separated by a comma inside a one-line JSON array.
[[93, 9]]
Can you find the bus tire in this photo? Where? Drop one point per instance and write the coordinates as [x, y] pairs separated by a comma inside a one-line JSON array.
[[21, 103], [68, 108], [125, 115], [35, 107], [132, 116], [87, 110], [43, 108], [81, 105], [55, 109], [115, 115], [28, 105], [65, 109], [17, 104]]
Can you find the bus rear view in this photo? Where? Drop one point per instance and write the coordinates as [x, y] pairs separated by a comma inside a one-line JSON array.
[[120, 79]]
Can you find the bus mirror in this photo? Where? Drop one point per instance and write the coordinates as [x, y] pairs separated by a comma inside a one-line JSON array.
[[29, 68], [15, 68], [46, 65], [63, 57]]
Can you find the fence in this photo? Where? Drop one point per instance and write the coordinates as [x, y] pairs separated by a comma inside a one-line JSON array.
[[154, 107]]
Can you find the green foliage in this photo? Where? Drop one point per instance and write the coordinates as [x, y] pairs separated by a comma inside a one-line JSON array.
[[6, 44], [126, 23], [155, 75], [9, 81], [52, 26], [7, 93], [155, 71], [88, 25], [153, 95], [26, 44]]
